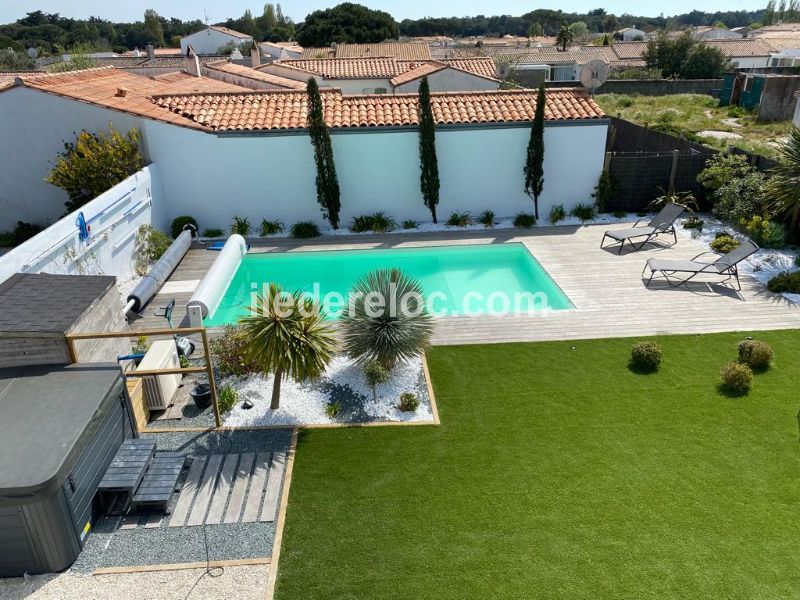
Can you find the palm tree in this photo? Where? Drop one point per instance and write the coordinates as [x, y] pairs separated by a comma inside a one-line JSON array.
[[386, 321], [783, 189], [287, 336], [564, 38]]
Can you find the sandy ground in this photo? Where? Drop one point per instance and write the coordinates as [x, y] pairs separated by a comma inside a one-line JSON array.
[[241, 583]]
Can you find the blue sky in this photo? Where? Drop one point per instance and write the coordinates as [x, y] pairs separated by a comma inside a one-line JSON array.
[[219, 10]]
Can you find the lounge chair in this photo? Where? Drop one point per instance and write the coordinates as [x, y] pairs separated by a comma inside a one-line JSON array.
[[725, 266], [662, 223]]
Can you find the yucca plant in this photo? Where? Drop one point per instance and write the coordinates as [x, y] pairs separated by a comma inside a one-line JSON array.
[[386, 321], [287, 336], [241, 225], [783, 189]]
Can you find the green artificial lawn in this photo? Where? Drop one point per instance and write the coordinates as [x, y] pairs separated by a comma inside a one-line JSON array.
[[559, 473]]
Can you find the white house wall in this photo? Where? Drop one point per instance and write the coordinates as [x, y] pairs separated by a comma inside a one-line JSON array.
[[451, 80], [750, 62], [209, 41]]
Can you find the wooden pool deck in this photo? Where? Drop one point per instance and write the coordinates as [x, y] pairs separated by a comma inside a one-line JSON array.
[[607, 290]]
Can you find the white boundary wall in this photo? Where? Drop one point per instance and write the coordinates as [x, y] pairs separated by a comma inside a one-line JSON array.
[[117, 215]]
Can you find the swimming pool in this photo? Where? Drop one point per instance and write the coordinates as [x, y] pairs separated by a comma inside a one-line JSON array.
[[457, 280]]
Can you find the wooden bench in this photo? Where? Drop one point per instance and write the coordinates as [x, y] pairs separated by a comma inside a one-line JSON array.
[[158, 483], [126, 471]]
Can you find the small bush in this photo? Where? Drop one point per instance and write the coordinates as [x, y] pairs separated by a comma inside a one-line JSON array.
[[694, 223], [604, 191], [410, 224], [382, 223], [724, 243], [332, 409], [178, 223], [408, 402], [213, 233], [229, 353], [486, 218], [361, 224], [241, 225], [459, 219], [557, 213], [625, 101], [646, 356], [524, 220], [23, 231], [785, 283], [271, 227], [304, 230], [584, 212], [755, 354], [737, 378], [376, 374], [141, 346], [619, 214], [226, 398], [150, 246], [184, 362], [764, 232]]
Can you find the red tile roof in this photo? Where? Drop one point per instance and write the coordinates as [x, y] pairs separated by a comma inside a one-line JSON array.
[[426, 68], [347, 68], [255, 74], [480, 65]]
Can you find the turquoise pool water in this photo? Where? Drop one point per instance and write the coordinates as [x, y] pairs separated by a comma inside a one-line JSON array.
[[457, 280]]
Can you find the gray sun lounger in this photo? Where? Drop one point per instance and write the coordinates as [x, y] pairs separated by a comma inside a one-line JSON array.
[[681, 272], [663, 223]]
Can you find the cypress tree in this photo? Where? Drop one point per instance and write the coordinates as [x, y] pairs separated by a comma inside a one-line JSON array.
[[429, 176], [327, 183], [534, 161]]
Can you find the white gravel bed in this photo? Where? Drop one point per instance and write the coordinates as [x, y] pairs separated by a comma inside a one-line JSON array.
[[304, 403], [245, 583], [763, 265]]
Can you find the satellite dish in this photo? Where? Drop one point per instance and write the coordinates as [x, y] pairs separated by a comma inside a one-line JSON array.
[[594, 74]]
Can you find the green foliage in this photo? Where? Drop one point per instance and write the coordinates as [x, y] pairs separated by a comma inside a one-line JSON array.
[[213, 233], [150, 245], [328, 194], [375, 374], [153, 28], [332, 409], [287, 336], [724, 243], [557, 213], [15, 60], [229, 353], [378, 222], [722, 168], [741, 199], [240, 225], [429, 165], [604, 191], [534, 157], [783, 191], [178, 223], [79, 59], [387, 320], [226, 398], [410, 224], [524, 220], [685, 57], [304, 230], [737, 378], [694, 222], [184, 362], [755, 354], [646, 357], [271, 227], [22, 232], [141, 346], [785, 283], [94, 163], [564, 38], [634, 73], [584, 212], [346, 23], [765, 233], [684, 199], [409, 402], [486, 218], [463, 219]]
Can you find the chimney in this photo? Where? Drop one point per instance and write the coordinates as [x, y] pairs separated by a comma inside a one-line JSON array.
[[255, 56], [192, 63], [151, 52], [121, 92]]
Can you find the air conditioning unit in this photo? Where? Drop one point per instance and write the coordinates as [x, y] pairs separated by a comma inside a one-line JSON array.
[[159, 390]]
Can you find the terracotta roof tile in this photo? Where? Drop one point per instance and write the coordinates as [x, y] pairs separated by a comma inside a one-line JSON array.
[[731, 48], [347, 68], [255, 74], [426, 68], [480, 65], [398, 50]]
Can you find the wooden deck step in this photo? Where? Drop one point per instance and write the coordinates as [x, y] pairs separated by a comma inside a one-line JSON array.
[[257, 481], [239, 488], [188, 492], [277, 467], [204, 490], [221, 491], [158, 483]]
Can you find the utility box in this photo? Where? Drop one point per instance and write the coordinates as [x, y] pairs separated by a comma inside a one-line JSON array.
[[62, 426]]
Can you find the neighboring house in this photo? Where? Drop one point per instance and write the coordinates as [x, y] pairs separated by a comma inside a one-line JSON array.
[[443, 77], [784, 38], [215, 155], [280, 50], [707, 32], [247, 77], [211, 39], [630, 34], [743, 53], [396, 50]]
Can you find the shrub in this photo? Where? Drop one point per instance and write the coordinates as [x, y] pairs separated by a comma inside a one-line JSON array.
[[141, 346], [150, 245], [646, 356], [382, 223], [226, 398], [459, 219], [694, 223], [486, 218], [626, 101], [271, 227], [722, 168], [724, 243], [410, 224], [361, 224], [619, 214], [764, 232], [375, 374], [178, 223], [785, 283], [23, 231], [737, 378], [740, 199], [94, 163], [557, 213], [604, 191], [213, 233], [755, 354], [241, 225], [408, 402], [584, 212], [685, 199], [229, 353], [304, 230], [525, 220], [332, 409]]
